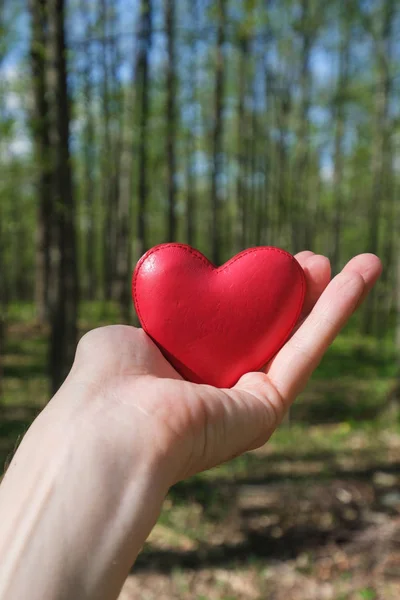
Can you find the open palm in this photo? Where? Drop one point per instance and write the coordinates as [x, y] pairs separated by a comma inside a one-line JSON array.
[[198, 426]]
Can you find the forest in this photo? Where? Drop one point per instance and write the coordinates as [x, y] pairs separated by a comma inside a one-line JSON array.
[[223, 124]]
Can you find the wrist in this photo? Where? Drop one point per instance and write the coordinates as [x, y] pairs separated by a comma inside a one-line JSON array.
[[78, 499]]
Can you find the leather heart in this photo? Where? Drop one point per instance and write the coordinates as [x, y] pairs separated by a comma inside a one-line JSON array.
[[216, 323]]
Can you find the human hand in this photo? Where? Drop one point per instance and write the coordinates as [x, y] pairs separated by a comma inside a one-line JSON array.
[[194, 427]]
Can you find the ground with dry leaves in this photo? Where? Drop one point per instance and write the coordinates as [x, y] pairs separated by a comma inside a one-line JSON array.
[[314, 515]]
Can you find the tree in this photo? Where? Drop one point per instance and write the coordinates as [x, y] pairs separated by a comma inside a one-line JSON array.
[[126, 191], [381, 148], [282, 170], [41, 136], [192, 131], [217, 152], [171, 118], [241, 188], [142, 86], [120, 202], [65, 307], [89, 183], [109, 230], [3, 280], [3, 304], [339, 110], [301, 224]]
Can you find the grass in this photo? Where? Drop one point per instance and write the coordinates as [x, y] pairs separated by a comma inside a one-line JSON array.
[[274, 523]]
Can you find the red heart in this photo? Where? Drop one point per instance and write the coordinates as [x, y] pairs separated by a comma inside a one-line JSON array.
[[216, 323]]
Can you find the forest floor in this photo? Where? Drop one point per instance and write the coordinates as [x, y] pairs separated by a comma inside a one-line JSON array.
[[313, 515]]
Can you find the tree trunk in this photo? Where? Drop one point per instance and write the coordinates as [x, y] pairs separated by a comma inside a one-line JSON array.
[[143, 84], [108, 158], [380, 148], [40, 129], [124, 191], [190, 191], [124, 253], [254, 215], [90, 286], [394, 396], [397, 332], [388, 197], [339, 109], [191, 178], [171, 118], [300, 184], [3, 303], [241, 195], [64, 310], [120, 266], [282, 170], [216, 167], [269, 161]]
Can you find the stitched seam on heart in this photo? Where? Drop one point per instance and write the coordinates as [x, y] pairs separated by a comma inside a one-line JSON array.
[[251, 251], [202, 258], [206, 262], [193, 252]]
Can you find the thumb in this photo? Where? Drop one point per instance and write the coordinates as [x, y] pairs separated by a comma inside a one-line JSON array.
[[234, 420]]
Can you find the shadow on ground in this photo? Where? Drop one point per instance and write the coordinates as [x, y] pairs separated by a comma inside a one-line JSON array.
[[278, 516]]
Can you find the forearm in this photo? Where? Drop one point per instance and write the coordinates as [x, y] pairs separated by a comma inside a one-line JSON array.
[[75, 512]]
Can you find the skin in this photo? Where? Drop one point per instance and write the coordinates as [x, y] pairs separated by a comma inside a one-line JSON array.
[[87, 483]]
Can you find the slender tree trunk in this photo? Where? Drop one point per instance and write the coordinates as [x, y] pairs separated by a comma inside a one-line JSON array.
[[282, 169], [254, 216], [124, 185], [119, 199], [388, 192], [300, 184], [191, 178], [41, 137], [4, 287], [108, 158], [3, 302], [124, 247], [380, 149], [190, 191], [269, 161], [217, 162], [143, 85], [64, 311], [90, 283], [394, 398], [171, 118], [120, 211], [241, 195], [397, 275], [339, 108], [261, 204]]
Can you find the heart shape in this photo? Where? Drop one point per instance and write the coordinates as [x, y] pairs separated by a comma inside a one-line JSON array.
[[216, 323]]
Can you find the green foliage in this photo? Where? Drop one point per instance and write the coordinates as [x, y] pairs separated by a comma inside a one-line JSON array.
[[276, 80], [368, 594]]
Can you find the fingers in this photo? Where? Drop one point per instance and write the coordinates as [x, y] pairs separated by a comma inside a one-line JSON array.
[[370, 268], [302, 257], [244, 417], [317, 270], [293, 365]]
